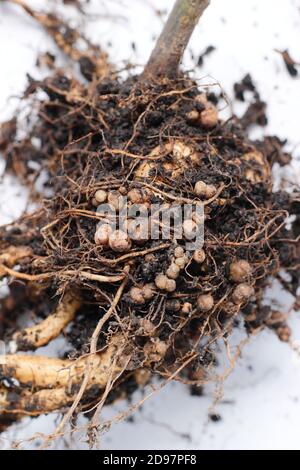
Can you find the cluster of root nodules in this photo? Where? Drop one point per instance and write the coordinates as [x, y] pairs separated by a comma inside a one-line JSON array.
[[133, 307]]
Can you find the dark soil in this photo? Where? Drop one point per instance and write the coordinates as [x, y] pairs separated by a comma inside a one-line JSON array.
[[291, 65], [204, 54], [256, 111]]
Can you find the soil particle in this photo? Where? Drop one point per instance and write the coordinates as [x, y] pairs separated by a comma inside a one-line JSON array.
[[215, 418], [204, 54], [246, 84], [291, 66]]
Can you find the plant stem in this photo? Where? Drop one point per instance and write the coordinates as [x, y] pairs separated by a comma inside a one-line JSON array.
[[167, 54]]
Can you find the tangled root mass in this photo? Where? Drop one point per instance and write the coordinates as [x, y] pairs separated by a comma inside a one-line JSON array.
[[104, 139]]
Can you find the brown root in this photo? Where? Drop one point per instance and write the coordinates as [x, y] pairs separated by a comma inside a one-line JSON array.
[[11, 256], [27, 403], [41, 334], [46, 372]]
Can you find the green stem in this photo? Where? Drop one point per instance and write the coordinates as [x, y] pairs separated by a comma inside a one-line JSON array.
[[167, 54]]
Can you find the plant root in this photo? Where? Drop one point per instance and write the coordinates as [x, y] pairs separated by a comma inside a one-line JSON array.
[[46, 372], [41, 334], [149, 306], [28, 403], [13, 255], [58, 380]]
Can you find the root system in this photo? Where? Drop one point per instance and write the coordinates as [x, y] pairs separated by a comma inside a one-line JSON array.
[[134, 307]]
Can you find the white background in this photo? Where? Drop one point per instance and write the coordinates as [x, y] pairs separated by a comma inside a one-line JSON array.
[[260, 408]]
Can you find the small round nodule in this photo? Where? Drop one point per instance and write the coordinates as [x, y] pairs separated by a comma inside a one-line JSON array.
[[116, 200], [211, 191], [199, 219], [149, 291], [155, 349], [186, 308], [181, 262], [138, 230], [202, 99], [199, 256], [284, 333], [102, 234], [138, 196], [190, 229], [173, 305], [204, 190], [209, 117], [205, 302], [200, 188], [179, 252], [119, 241], [161, 281], [171, 285], [136, 295], [193, 116], [173, 271], [161, 347], [147, 326], [240, 270], [122, 190], [242, 293], [100, 196]]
